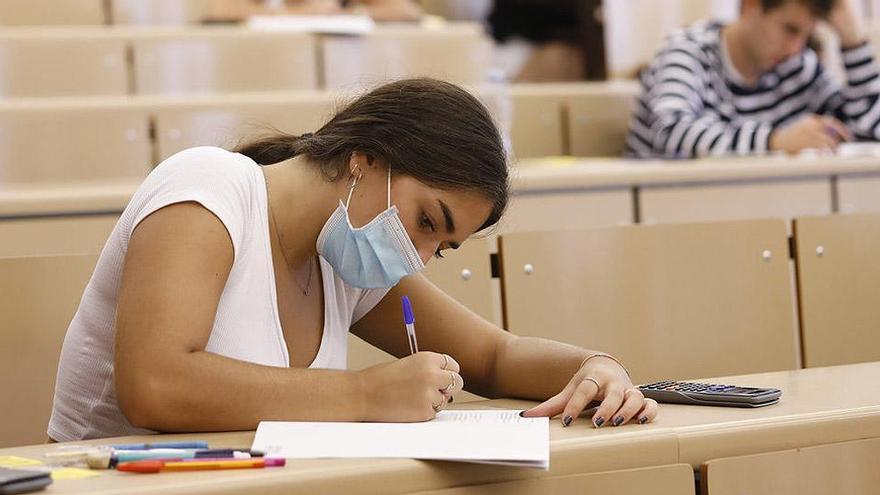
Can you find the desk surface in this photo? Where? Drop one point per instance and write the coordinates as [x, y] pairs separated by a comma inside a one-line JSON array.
[[818, 406], [535, 176], [538, 174]]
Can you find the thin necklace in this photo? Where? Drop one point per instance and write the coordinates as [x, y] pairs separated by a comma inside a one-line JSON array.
[[307, 288]]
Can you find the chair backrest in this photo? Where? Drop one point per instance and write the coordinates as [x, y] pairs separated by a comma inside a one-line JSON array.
[[672, 301], [225, 121], [51, 141], [213, 60], [41, 295], [165, 12], [839, 283], [598, 119], [51, 12], [55, 236], [35, 63], [536, 128], [459, 52]]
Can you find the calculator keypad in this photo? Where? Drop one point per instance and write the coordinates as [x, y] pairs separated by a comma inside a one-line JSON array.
[[688, 387]]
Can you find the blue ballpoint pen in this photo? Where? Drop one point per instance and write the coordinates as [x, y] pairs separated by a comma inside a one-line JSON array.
[[162, 445], [410, 320]]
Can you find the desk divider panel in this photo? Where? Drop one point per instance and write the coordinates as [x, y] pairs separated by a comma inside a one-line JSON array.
[[839, 288], [47, 291], [673, 301]]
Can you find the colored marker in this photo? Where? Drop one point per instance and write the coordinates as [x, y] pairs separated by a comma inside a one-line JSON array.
[[155, 466], [141, 455]]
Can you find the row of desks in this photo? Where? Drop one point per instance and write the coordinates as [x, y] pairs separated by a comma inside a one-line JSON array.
[[558, 193], [819, 406]]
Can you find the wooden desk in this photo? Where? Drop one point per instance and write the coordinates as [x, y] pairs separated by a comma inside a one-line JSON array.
[[706, 189], [66, 199], [564, 193], [819, 405]]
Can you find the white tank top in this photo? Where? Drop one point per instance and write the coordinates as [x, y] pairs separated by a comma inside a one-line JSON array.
[[246, 327]]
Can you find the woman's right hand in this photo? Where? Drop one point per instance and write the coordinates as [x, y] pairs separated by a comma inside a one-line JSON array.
[[411, 389]]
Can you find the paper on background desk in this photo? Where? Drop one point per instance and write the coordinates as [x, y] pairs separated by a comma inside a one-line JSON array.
[[323, 24], [483, 436]]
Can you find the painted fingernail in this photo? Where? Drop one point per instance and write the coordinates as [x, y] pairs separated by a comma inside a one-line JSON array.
[[566, 421], [522, 414], [599, 422], [643, 420], [618, 420], [451, 399]]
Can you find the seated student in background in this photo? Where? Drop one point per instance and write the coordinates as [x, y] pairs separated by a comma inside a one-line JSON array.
[[754, 86], [226, 291]]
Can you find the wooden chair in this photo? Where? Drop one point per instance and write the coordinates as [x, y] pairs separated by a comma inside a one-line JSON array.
[[82, 62], [845, 467], [213, 60], [227, 120], [537, 122], [41, 295], [672, 302], [51, 12], [458, 52], [55, 236], [838, 284], [598, 119], [466, 275], [52, 141]]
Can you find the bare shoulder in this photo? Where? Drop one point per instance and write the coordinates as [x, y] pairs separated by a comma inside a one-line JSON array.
[[176, 267]]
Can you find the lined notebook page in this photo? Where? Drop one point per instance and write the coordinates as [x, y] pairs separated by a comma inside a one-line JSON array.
[[485, 436]]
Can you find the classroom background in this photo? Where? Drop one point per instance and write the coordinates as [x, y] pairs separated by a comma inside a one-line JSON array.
[[758, 267]]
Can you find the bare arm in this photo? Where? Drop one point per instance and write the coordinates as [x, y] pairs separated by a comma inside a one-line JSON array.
[[175, 270], [495, 363]]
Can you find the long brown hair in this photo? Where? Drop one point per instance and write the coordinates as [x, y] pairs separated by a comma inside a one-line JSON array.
[[431, 130]]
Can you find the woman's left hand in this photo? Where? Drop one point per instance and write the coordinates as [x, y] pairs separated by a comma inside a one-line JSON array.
[[601, 379]]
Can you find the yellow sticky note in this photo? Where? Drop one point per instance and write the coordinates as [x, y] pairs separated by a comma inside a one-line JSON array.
[[69, 473], [13, 461]]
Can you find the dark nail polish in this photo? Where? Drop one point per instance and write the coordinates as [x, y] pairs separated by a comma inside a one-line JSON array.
[[566, 421], [643, 420], [618, 420], [600, 422], [451, 399], [522, 414]]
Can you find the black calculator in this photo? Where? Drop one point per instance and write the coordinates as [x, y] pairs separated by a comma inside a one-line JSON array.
[[710, 394]]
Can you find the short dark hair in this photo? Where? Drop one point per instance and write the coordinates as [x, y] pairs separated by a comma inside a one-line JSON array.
[[431, 130], [819, 8]]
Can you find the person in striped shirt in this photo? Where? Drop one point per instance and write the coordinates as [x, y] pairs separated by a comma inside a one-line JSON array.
[[754, 86]]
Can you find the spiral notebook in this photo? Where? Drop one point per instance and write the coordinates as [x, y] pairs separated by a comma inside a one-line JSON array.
[[483, 436]]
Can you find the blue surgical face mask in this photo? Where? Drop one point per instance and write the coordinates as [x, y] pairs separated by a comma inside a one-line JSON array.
[[376, 255]]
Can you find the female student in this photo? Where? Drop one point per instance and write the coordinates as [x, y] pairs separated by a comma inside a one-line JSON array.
[[226, 290]]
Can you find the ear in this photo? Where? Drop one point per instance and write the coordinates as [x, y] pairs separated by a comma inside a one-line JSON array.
[[355, 163]]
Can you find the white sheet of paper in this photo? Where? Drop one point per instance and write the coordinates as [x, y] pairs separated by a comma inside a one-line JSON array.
[[324, 24], [485, 436]]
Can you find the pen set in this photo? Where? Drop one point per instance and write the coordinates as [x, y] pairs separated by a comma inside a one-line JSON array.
[[166, 456]]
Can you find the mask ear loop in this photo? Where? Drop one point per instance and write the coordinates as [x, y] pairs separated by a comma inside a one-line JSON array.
[[389, 187], [354, 182]]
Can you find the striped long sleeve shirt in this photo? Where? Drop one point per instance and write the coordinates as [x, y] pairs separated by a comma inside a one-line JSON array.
[[692, 104]]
